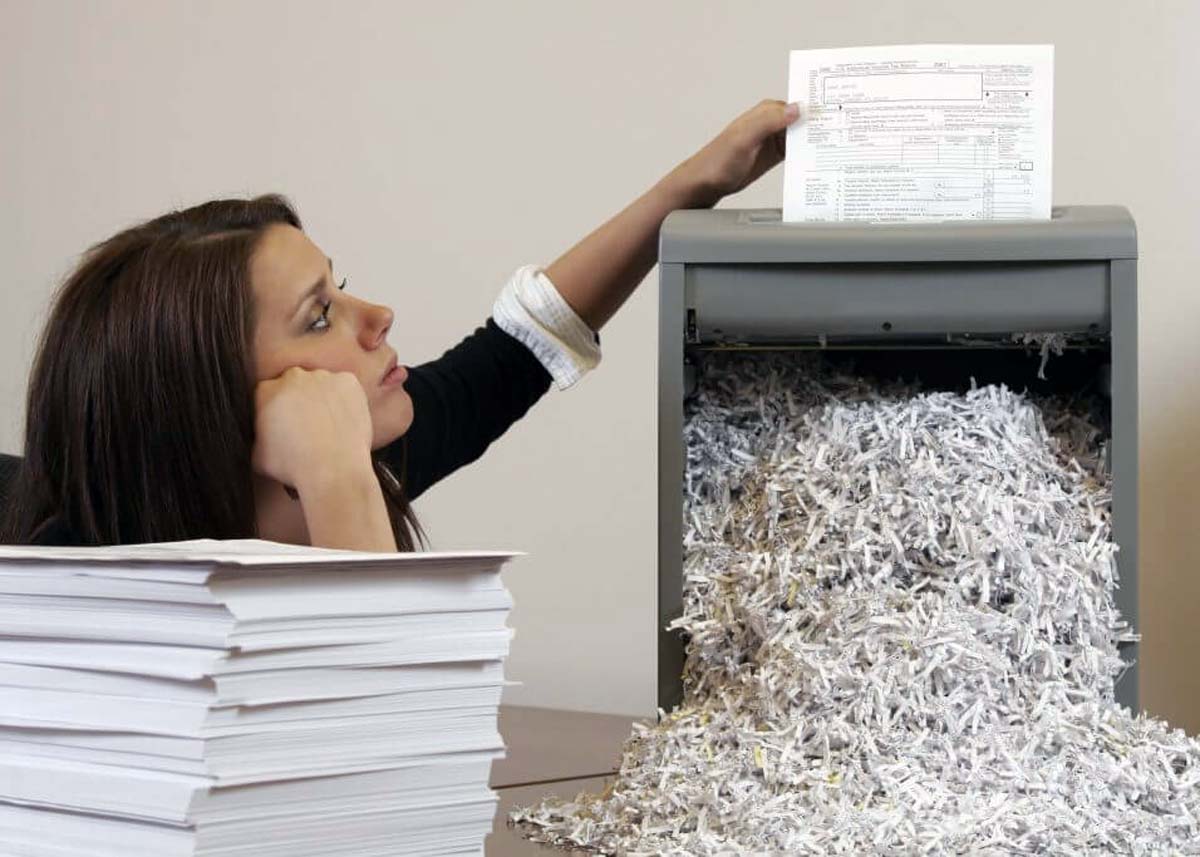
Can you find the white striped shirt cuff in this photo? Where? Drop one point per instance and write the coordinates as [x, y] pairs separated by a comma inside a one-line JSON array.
[[530, 309]]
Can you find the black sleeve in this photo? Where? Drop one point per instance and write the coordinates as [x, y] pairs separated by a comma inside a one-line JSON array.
[[463, 401]]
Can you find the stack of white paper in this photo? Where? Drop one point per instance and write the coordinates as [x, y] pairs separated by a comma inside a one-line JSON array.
[[247, 697]]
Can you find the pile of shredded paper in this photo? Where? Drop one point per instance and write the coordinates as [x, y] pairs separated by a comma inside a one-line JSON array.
[[902, 638]]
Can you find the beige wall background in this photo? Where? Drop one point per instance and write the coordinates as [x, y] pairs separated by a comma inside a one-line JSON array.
[[434, 147]]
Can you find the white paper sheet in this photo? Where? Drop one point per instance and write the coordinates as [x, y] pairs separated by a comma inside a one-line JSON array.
[[920, 133], [196, 556]]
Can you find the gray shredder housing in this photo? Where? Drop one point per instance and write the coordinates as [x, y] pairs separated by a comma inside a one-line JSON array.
[[743, 279]]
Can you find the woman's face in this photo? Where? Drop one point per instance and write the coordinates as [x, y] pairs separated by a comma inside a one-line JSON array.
[[292, 282]]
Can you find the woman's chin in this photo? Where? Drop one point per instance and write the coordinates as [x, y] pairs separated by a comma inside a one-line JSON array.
[[392, 423]]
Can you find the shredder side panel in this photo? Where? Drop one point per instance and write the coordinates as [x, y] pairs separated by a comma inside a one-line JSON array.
[[671, 320], [1124, 447]]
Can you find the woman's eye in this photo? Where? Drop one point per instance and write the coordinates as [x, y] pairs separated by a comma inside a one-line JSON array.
[[321, 322]]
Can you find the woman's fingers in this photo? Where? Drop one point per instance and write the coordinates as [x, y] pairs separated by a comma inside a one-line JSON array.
[[765, 133], [748, 146], [307, 420], [772, 116], [779, 140], [770, 121]]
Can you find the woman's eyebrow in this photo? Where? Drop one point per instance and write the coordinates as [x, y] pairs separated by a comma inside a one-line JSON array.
[[312, 290]]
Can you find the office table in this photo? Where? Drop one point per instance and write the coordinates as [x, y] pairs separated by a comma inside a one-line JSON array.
[[550, 752]]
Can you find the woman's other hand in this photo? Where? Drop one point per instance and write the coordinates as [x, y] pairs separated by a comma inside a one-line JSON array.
[[749, 146], [311, 426]]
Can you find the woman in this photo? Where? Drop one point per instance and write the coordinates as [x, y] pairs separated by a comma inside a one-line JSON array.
[[201, 375]]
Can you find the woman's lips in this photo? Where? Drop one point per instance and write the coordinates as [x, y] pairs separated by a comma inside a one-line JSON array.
[[396, 376]]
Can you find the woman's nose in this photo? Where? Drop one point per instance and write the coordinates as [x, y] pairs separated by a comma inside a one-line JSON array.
[[379, 322]]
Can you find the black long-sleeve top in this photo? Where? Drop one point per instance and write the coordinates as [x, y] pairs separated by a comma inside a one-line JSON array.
[[463, 401]]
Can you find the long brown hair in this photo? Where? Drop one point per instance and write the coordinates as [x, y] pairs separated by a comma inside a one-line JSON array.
[[139, 422]]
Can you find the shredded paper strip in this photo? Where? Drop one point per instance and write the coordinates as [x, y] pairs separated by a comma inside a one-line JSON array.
[[903, 638]]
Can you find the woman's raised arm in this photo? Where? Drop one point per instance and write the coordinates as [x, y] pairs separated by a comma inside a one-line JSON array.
[[599, 273]]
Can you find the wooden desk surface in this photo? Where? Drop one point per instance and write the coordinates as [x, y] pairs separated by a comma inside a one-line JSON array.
[[554, 744], [504, 841], [550, 752]]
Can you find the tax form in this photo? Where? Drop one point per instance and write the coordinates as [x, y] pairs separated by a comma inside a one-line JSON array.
[[920, 133]]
